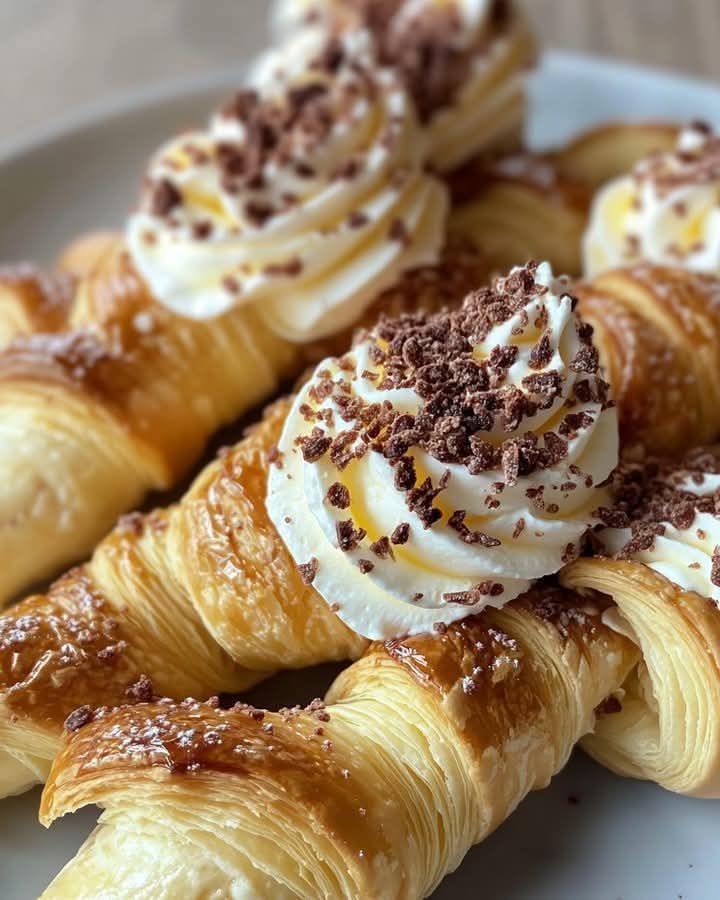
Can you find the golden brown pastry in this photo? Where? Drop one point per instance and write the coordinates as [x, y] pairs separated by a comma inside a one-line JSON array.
[[658, 332], [121, 403], [32, 300], [424, 747], [537, 206], [210, 595], [660, 563], [521, 207], [612, 149], [255, 238]]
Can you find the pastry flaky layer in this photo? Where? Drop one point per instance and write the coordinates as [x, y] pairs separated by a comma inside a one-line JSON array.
[[119, 402], [160, 596], [123, 400], [664, 725], [658, 332], [537, 206], [422, 748]]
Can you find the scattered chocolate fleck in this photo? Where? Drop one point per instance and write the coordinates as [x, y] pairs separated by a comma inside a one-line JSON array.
[[79, 718], [338, 495], [348, 536], [309, 570], [365, 566], [401, 534], [165, 198]]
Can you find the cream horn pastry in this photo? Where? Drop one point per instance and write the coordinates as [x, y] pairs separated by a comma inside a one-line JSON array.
[[465, 62], [658, 559], [193, 600], [292, 213], [421, 749], [219, 590], [665, 211]]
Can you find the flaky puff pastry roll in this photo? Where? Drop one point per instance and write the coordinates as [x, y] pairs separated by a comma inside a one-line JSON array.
[[119, 403], [278, 224], [36, 300], [664, 725], [658, 332], [660, 564], [423, 747], [537, 206], [197, 599]]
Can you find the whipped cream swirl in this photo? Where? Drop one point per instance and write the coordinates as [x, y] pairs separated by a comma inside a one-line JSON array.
[[667, 211], [667, 516], [447, 461], [465, 62], [307, 195]]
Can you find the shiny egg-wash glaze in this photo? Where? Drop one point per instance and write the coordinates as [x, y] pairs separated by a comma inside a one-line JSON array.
[[424, 747]]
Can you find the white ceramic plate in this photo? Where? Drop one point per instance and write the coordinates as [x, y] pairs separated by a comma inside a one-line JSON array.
[[589, 835]]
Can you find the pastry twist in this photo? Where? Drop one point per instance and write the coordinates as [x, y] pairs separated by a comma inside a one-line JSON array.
[[160, 596], [124, 401], [537, 206], [658, 332], [425, 746], [665, 726], [120, 403]]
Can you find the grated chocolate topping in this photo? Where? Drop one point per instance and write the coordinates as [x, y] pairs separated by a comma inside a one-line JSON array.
[[429, 47], [652, 494]]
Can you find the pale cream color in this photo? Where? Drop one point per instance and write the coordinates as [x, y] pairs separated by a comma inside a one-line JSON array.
[[665, 211], [409, 591], [668, 729], [487, 114], [381, 794], [335, 235]]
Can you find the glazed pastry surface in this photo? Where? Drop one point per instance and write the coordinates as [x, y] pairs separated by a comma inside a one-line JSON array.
[[422, 748]]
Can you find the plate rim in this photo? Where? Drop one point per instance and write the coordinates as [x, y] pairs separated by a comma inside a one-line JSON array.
[[164, 91]]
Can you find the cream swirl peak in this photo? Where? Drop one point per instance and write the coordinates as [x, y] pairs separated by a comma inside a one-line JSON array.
[[447, 461], [307, 195], [463, 61], [667, 211], [667, 515]]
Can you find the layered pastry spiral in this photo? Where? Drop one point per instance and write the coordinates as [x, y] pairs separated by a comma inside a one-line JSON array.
[[465, 63], [667, 516], [305, 197], [447, 461], [666, 211], [658, 559]]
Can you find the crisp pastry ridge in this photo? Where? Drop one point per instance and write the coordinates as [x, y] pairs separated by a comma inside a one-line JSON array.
[[537, 205], [658, 332], [159, 598], [658, 560], [422, 748]]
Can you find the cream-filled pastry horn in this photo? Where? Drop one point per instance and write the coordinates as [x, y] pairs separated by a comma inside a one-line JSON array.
[[666, 211], [659, 560], [305, 197], [279, 226], [465, 62], [447, 462]]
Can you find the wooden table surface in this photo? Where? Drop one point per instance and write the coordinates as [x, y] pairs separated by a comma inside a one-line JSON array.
[[59, 57]]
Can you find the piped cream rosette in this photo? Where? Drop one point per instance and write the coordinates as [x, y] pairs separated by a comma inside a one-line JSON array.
[[465, 62], [666, 211], [306, 196], [447, 461]]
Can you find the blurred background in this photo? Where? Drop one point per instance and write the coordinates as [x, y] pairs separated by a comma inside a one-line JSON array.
[[63, 56]]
